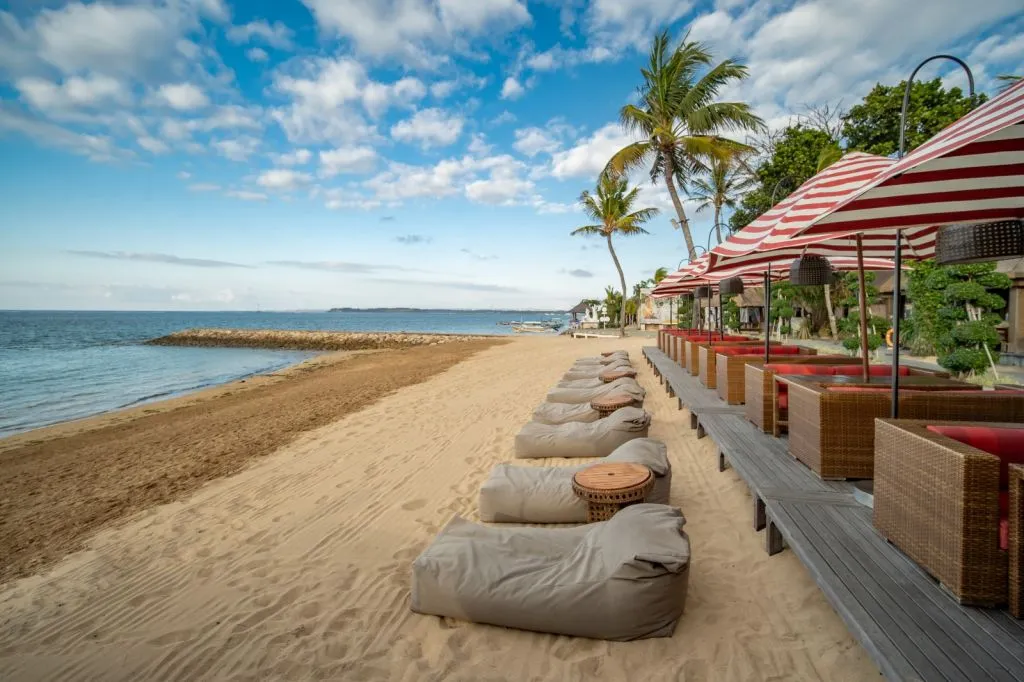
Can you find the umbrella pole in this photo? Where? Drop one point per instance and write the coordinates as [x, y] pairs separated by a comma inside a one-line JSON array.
[[721, 322], [767, 315], [862, 296], [709, 312], [896, 291]]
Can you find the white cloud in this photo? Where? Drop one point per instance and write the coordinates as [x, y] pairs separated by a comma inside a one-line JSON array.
[[442, 89], [257, 54], [237, 149], [478, 145], [184, 175], [512, 89], [326, 95], [559, 57], [503, 118], [297, 157], [430, 128], [617, 24], [153, 145], [590, 155], [503, 190], [533, 140], [488, 179], [276, 35], [284, 179], [245, 195], [204, 187], [76, 91], [409, 28], [347, 160], [181, 96], [379, 97], [95, 147]]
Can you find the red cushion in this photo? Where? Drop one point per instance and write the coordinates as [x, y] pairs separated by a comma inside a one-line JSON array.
[[1005, 443], [785, 350], [737, 350], [783, 396], [873, 370], [783, 368]]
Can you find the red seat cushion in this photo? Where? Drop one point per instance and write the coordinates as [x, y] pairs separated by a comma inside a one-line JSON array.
[[783, 397], [860, 389], [783, 368], [1005, 443], [785, 350], [736, 350], [873, 370], [1004, 521]]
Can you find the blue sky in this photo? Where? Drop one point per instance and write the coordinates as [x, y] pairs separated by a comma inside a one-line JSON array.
[[212, 154]]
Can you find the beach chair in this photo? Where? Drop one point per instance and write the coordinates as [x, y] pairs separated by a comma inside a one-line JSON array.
[[621, 579], [575, 439], [624, 386], [530, 494]]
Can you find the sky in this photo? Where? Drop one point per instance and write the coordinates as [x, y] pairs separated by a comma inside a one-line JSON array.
[[287, 154]]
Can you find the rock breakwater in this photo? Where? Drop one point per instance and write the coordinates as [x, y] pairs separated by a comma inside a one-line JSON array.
[[286, 339]]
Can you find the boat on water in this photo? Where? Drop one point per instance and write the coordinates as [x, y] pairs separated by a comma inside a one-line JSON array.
[[532, 327]]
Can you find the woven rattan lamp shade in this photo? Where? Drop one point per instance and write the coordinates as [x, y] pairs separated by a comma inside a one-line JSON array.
[[702, 292], [733, 285], [810, 270], [957, 244]]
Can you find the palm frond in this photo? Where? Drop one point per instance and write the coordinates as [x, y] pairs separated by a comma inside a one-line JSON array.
[[628, 158]]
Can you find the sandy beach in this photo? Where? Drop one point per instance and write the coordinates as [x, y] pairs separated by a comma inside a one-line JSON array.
[[295, 563]]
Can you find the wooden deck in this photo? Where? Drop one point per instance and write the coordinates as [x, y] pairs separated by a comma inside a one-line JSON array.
[[687, 389], [909, 625]]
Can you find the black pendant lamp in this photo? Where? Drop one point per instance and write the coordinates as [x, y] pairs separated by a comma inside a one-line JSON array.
[[959, 244], [702, 292], [733, 285], [810, 270]]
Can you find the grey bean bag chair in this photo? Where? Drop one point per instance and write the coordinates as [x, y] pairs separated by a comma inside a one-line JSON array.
[[601, 362], [592, 371], [563, 413], [605, 359], [624, 385], [580, 383], [621, 579], [576, 439], [530, 494]]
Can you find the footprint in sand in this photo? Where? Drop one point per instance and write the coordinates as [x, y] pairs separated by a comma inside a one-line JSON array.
[[412, 505]]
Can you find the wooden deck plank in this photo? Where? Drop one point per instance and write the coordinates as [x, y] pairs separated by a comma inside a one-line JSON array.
[[934, 615], [876, 629], [1004, 645]]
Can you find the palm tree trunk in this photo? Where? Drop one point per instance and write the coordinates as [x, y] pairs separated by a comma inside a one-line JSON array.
[[622, 280], [718, 229], [831, 313], [684, 224]]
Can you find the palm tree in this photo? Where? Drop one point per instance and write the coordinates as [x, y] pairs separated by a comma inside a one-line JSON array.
[[660, 274], [1008, 80], [679, 118], [722, 185], [611, 207]]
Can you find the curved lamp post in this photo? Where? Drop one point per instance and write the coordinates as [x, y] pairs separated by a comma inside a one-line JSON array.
[[897, 288]]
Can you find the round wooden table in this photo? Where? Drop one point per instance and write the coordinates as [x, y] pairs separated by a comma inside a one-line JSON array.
[[605, 405], [611, 375], [608, 487]]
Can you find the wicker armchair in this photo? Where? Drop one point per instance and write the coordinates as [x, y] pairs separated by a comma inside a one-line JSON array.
[[832, 431], [761, 391], [731, 382], [682, 352], [952, 507], [693, 347]]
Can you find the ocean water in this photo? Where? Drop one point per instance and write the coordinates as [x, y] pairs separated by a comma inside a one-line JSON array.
[[58, 366]]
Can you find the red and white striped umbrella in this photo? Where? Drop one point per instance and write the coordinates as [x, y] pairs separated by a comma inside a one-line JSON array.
[[971, 172], [774, 235], [751, 273]]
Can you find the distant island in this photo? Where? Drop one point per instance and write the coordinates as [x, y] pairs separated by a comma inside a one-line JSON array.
[[437, 310]]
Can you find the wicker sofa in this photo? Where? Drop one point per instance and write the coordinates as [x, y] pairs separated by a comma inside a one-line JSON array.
[[732, 376], [692, 350], [765, 398], [707, 357], [949, 495], [678, 344], [831, 429]]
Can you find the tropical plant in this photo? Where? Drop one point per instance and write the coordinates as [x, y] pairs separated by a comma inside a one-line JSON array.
[[679, 118], [611, 207], [659, 274], [955, 313], [873, 125], [722, 185], [1008, 81]]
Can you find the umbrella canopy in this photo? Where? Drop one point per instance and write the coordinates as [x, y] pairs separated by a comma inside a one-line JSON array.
[[775, 235], [751, 273], [971, 172]]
